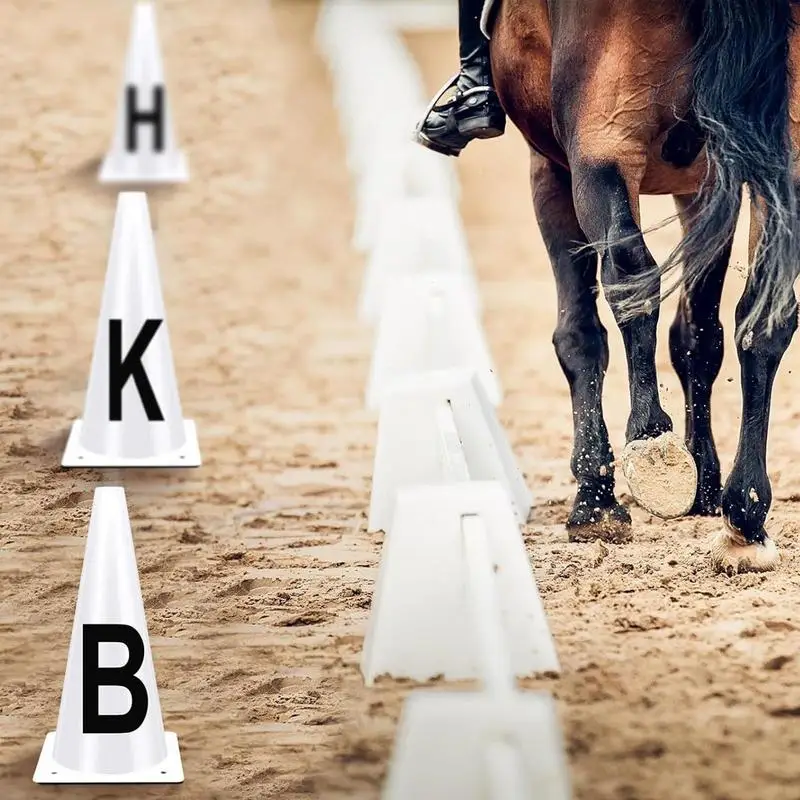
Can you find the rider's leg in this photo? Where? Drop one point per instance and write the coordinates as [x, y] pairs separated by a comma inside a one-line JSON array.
[[467, 107]]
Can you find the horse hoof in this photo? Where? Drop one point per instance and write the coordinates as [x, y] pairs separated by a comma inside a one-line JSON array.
[[606, 524], [661, 475], [731, 554]]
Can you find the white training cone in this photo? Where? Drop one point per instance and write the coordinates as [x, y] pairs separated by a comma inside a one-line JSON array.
[[473, 746], [410, 444], [422, 622], [428, 325], [415, 235], [144, 148], [109, 725], [132, 416]]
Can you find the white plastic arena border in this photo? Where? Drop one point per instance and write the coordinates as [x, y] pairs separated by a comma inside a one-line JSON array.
[[500, 742], [411, 432], [428, 326], [420, 625], [497, 757], [369, 63], [451, 544], [415, 236]]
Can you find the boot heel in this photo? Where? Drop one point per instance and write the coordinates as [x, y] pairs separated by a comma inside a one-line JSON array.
[[483, 126]]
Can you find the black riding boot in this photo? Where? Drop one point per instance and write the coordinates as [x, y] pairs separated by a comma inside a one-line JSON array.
[[467, 107]]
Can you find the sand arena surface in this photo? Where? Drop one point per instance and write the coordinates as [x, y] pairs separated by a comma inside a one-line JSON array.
[[256, 569]]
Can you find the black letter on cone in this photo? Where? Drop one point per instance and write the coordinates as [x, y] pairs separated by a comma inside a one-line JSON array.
[[120, 369], [95, 676], [134, 117]]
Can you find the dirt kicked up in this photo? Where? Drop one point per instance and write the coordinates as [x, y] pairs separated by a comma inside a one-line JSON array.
[[256, 569]]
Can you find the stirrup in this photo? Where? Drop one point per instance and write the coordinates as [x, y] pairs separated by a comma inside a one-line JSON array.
[[420, 138], [451, 82], [465, 124]]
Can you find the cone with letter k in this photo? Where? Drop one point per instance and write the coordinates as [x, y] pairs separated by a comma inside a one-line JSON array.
[[132, 415], [109, 726]]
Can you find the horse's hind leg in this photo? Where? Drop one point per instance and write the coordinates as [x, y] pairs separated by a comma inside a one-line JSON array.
[[582, 348], [660, 471], [747, 495], [696, 348]]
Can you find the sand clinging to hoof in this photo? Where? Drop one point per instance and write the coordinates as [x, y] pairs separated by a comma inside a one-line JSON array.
[[661, 475], [731, 554]]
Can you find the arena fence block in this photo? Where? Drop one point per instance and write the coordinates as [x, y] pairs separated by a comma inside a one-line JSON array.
[[415, 236], [428, 324], [409, 449]]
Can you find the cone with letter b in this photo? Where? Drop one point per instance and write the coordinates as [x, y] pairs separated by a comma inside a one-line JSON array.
[[109, 727], [132, 416]]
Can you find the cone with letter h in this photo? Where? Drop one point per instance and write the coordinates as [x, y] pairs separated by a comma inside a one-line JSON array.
[[109, 726], [132, 415], [144, 148]]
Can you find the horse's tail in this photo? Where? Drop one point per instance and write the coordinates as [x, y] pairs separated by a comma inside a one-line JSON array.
[[741, 90]]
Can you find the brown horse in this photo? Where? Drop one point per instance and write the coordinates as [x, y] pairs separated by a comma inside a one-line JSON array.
[[619, 98]]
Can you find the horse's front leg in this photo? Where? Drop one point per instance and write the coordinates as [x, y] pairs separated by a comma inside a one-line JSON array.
[[660, 470], [581, 346]]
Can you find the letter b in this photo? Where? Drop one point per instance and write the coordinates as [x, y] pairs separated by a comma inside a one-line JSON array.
[[95, 676]]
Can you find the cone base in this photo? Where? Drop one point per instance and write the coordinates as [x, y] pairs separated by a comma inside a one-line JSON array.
[[75, 455], [170, 770], [124, 168]]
